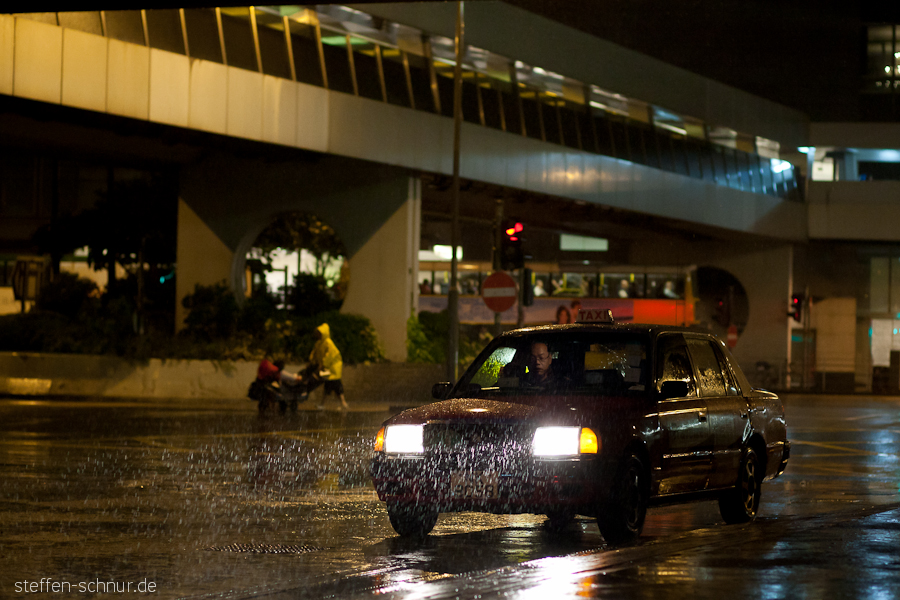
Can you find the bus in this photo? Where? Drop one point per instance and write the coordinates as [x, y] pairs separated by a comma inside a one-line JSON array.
[[635, 294]]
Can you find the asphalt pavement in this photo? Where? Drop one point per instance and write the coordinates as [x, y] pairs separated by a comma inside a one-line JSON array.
[[209, 499]]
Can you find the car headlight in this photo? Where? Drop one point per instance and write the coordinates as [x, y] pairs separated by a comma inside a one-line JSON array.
[[403, 439], [564, 441]]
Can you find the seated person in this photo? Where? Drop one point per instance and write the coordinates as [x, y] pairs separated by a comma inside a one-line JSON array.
[[669, 290], [270, 376], [540, 372], [534, 370], [273, 372], [540, 368]]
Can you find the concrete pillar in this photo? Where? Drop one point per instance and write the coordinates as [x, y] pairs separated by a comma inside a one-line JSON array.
[[383, 274], [202, 258], [766, 275], [846, 167], [764, 270]]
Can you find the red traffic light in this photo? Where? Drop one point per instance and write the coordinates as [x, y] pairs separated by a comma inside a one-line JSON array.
[[512, 256], [513, 230], [796, 311]]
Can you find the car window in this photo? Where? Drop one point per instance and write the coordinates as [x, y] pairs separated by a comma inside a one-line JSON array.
[[598, 363], [733, 370], [709, 370], [676, 366], [489, 371], [731, 387]]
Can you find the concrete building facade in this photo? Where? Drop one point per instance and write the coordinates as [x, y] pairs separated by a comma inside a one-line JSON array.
[[344, 111]]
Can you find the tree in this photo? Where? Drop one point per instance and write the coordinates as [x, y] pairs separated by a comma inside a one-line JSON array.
[[298, 231], [133, 224]]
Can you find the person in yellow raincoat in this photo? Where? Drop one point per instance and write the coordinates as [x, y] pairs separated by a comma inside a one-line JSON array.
[[326, 367]]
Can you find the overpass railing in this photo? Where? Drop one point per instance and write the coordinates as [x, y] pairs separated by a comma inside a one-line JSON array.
[[346, 50]]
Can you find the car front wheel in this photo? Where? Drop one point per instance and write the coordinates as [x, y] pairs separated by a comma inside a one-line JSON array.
[[412, 520], [739, 504], [621, 518], [559, 520]]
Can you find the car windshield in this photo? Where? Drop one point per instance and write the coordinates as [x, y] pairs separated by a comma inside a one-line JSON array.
[[605, 363]]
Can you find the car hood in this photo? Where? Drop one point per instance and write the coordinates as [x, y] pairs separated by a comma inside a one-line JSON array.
[[465, 409], [542, 410]]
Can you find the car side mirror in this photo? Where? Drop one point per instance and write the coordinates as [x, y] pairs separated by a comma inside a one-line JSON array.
[[674, 389], [440, 391]]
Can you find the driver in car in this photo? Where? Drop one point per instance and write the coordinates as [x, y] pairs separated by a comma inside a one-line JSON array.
[[540, 369]]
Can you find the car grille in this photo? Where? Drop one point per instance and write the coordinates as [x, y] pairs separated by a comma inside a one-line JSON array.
[[498, 447]]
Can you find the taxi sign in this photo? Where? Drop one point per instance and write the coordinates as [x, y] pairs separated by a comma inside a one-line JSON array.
[[594, 315]]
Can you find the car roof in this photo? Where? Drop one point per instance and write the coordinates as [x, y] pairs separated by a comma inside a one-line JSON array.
[[645, 328]]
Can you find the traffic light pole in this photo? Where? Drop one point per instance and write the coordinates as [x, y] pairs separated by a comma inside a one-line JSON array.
[[453, 297], [805, 320], [520, 313], [498, 241]]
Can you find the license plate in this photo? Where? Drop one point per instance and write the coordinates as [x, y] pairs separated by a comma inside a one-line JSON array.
[[478, 485]]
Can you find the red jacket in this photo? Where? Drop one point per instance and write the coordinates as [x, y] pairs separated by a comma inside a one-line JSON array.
[[267, 372]]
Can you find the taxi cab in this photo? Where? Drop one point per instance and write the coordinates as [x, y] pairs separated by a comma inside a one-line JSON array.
[[594, 418]]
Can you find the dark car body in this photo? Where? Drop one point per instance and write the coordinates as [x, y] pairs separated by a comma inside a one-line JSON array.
[[673, 417]]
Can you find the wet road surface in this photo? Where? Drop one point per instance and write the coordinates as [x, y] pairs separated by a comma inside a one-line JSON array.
[[206, 499]]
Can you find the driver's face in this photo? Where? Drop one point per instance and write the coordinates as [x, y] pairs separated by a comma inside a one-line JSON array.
[[540, 356]]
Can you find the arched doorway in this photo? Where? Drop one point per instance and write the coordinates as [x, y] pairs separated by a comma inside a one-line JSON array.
[[297, 262], [722, 301]]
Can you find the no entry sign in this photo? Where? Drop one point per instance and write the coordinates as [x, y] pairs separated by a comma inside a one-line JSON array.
[[499, 291], [731, 337]]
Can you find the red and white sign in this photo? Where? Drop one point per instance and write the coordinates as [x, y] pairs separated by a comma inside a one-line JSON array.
[[499, 291], [731, 337]]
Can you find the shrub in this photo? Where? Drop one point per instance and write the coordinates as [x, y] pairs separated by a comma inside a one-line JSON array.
[[354, 336], [419, 348], [30, 332], [68, 294], [259, 308], [427, 339], [222, 330], [213, 312], [216, 329], [310, 296]]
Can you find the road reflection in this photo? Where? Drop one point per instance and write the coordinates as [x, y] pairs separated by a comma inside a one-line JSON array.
[[216, 500], [325, 451]]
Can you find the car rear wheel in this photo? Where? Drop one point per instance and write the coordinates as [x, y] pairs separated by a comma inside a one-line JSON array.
[[740, 504], [621, 518], [412, 520]]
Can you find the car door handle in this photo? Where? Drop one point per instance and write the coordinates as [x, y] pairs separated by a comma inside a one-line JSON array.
[[702, 416]]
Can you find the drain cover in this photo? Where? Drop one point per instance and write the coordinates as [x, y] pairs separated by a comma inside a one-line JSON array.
[[266, 548]]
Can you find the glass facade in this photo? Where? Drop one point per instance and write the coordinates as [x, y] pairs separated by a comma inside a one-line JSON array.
[[350, 51], [882, 59], [881, 79]]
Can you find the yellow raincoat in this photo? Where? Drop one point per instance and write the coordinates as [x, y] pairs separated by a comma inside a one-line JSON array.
[[326, 355]]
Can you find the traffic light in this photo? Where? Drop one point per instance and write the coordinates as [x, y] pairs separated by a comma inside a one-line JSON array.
[[527, 287], [796, 309], [722, 312], [512, 256]]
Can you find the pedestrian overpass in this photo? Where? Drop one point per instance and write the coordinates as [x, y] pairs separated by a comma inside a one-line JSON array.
[[345, 111]]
